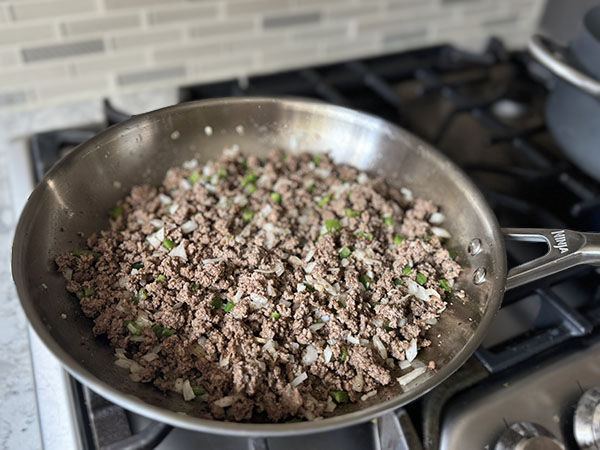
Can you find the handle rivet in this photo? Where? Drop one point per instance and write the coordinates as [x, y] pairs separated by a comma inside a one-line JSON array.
[[479, 275], [474, 247]]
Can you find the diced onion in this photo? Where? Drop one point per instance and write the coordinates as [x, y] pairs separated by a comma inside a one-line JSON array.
[[295, 260], [226, 401], [187, 391], [380, 347], [331, 405], [165, 199], [358, 382], [316, 326], [441, 232], [327, 354], [223, 362], [407, 193], [124, 363], [188, 227], [309, 255], [411, 376], [150, 357], [157, 223], [299, 379], [368, 395], [179, 251], [411, 352], [404, 364], [352, 339], [310, 355], [417, 290], [437, 218], [213, 260]]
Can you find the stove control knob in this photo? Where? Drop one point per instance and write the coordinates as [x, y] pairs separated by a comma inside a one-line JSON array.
[[586, 425], [527, 436]]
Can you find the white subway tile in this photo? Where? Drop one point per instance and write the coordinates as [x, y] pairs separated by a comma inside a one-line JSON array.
[[221, 29], [54, 8], [95, 86], [129, 60], [124, 4], [12, 97], [183, 53], [233, 7], [183, 13], [22, 76], [8, 58], [352, 49], [3, 14], [147, 38], [258, 43], [19, 34], [322, 33], [101, 25]]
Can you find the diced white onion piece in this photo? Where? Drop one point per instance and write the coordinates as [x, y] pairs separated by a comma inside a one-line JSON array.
[[285, 303], [165, 199], [411, 352], [187, 391], [137, 338], [309, 255], [185, 185], [411, 376], [295, 260], [316, 326], [224, 361], [270, 347], [417, 290], [431, 321], [380, 347], [179, 251], [352, 339], [213, 260], [259, 299], [202, 340], [178, 386], [432, 292], [266, 210], [310, 355], [404, 364], [358, 382], [173, 209], [135, 367], [310, 267], [225, 401], [299, 379], [188, 227], [345, 262], [325, 319], [191, 164], [157, 223], [143, 321], [331, 405], [150, 357], [437, 218], [67, 273], [368, 395], [327, 354], [441, 232], [407, 193], [362, 178], [378, 323], [208, 131], [123, 363], [135, 377]]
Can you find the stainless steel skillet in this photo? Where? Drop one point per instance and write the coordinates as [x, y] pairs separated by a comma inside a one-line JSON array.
[[77, 193]]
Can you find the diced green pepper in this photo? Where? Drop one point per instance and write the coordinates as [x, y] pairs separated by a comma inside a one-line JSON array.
[[275, 315], [398, 240], [216, 303], [345, 252], [311, 188], [389, 221], [326, 199], [247, 215], [351, 212], [198, 390], [445, 286], [317, 160], [116, 212], [251, 189], [386, 325], [344, 354], [194, 177], [365, 280], [137, 265], [222, 173], [229, 306], [161, 277], [452, 254], [88, 292], [421, 279], [250, 178], [332, 225], [407, 270], [309, 288], [341, 304], [195, 287], [398, 282], [168, 244], [368, 236], [142, 295], [162, 332], [276, 197], [339, 396]]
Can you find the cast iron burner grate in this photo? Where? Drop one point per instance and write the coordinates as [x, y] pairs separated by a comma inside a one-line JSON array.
[[485, 111]]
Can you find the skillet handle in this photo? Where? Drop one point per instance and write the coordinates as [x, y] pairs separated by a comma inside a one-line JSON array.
[[542, 53], [566, 249]]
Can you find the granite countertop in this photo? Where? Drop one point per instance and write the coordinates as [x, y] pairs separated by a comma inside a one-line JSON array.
[[19, 418]]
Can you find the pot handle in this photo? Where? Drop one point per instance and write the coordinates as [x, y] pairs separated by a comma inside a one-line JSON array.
[[542, 53], [566, 249]]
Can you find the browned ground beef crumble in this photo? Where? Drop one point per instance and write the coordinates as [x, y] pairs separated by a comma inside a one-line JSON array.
[[232, 282]]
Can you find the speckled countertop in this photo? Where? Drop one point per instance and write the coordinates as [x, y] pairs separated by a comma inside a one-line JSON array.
[[19, 418]]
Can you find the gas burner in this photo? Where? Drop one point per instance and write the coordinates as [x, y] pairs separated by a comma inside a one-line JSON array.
[[528, 436], [586, 426]]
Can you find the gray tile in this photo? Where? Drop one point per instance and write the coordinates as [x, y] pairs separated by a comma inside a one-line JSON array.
[[182, 53], [512, 18], [3, 14], [404, 35], [233, 7], [13, 98], [146, 76], [63, 50], [55, 8], [460, 1], [19, 34], [147, 38], [175, 14], [122, 4], [325, 33], [287, 20], [212, 29], [101, 24]]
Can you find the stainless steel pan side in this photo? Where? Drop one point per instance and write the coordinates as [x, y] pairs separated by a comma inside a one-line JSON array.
[[78, 192]]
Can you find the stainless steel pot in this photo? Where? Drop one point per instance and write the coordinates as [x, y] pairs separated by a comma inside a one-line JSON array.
[[573, 107], [77, 193]]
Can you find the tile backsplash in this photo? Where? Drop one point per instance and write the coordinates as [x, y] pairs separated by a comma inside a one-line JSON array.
[[53, 50]]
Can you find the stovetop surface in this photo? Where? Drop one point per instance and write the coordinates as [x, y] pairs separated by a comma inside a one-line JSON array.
[[485, 111]]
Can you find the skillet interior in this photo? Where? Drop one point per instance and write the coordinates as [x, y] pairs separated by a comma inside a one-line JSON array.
[[79, 191]]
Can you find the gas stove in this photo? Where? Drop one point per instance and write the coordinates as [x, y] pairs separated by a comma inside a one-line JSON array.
[[532, 383]]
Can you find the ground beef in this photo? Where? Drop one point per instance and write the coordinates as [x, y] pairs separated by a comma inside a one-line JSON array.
[[229, 281]]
